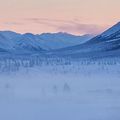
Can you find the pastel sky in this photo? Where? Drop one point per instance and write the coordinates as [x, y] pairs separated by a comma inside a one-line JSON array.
[[72, 16]]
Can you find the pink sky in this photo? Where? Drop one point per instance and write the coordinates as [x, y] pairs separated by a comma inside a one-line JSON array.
[[72, 16]]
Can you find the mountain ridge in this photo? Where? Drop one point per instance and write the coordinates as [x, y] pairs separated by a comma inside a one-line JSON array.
[[63, 44], [46, 41], [101, 44]]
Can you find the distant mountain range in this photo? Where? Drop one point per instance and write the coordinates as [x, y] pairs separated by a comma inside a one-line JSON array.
[[14, 42]]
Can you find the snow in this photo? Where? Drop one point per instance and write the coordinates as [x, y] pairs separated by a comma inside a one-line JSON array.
[[9, 34], [62, 40], [61, 90], [12, 41], [49, 87], [112, 30], [112, 40], [5, 43]]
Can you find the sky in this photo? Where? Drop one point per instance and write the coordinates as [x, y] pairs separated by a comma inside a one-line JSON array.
[[71, 16]]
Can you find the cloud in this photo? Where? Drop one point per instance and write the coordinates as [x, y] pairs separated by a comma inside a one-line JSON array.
[[49, 20], [82, 28], [12, 23], [70, 26]]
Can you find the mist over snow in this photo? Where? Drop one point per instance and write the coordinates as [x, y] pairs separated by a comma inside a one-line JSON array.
[[60, 89]]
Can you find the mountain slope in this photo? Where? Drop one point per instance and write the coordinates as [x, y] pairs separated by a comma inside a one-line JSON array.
[[14, 42], [62, 40], [111, 30], [110, 39], [107, 43], [5, 44], [27, 42]]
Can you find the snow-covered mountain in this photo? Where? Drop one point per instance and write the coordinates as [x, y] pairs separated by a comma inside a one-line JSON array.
[[14, 42], [9, 34], [105, 44], [5, 43], [62, 40], [111, 33], [108, 40], [111, 30], [27, 43]]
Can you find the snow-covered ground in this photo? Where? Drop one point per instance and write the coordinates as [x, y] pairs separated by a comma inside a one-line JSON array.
[[80, 90]]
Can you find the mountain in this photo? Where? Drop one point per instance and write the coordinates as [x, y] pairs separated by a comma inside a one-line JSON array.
[[5, 43], [27, 43], [15, 42], [111, 30], [62, 40], [9, 34], [63, 44], [108, 40], [111, 33], [105, 44]]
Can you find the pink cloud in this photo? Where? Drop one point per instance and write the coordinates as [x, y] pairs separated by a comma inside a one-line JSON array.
[[70, 26]]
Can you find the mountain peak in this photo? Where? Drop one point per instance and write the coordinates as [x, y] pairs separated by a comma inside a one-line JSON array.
[[115, 28]]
